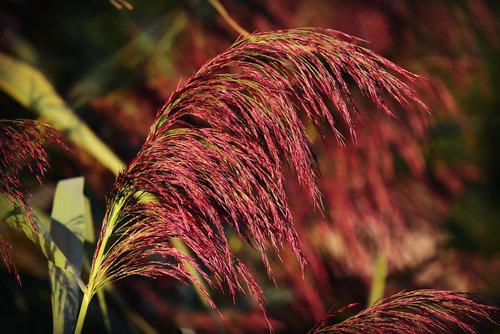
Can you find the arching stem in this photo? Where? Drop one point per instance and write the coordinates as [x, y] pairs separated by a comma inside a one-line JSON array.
[[99, 258], [225, 15]]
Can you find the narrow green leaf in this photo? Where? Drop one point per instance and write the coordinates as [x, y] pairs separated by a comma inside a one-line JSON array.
[[31, 89], [132, 317], [67, 230], [88, 233], [146, 51], [16, 218]]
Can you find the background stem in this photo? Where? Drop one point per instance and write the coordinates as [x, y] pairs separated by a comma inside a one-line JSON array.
[[225, 15], [379, 277]]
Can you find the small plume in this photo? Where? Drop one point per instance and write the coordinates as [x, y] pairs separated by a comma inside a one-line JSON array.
[[414, 312], [217, 154], [7, 256], [21, 145]]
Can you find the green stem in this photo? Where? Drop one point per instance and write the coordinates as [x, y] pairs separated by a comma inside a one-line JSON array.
[[178, 244], [104, 309], [379, 278], [109, 223], [83, 312], [225, 15]]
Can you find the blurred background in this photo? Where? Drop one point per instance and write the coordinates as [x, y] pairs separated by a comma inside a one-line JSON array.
[[415, 203]]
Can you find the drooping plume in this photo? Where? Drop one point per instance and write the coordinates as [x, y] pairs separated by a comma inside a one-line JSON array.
[[414, 312], [7, 256], [21, 145], [217, 153]]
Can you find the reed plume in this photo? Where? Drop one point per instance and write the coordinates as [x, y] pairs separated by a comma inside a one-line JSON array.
[[22, 145], [217, 151], [416, 312], [7, 256]]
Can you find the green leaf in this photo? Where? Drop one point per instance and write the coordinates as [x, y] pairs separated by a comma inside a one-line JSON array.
[[31, 89], [88, 233], [16, 218], [67, 230], [144, 54]]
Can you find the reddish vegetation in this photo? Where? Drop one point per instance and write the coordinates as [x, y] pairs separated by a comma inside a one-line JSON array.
[[221, 149], [215, 155], [7, 256], [21, 145], [422, 311]]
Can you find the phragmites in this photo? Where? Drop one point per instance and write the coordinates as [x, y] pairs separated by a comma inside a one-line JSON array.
[[21, 145], [7, 256], [415, 312], [215, 157]]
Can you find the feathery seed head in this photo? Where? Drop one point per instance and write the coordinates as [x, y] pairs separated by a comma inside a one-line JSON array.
[[415, 312], [217, 152], [21, 145]]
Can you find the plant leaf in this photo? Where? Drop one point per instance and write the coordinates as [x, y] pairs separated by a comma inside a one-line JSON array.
[[31, 89], [15, 217], [89, 232], [148, 49], [68, 231], [104, 309]]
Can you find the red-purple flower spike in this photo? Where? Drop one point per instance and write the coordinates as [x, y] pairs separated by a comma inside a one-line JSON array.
[[415, 312], [7, 256], [21, 145], [215, 156]]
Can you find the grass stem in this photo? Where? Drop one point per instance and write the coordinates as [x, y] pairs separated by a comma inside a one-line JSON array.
[[83, 312], [225, 15], [379, 278]]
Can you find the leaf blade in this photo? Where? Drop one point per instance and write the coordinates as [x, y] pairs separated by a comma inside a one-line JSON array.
[[15, 217], [67, 229], [31, 89]]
